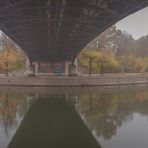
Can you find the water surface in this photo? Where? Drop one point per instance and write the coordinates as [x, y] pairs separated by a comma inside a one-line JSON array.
[[74, 117]]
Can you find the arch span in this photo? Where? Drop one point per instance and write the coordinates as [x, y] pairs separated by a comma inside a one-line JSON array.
[[56, 30]]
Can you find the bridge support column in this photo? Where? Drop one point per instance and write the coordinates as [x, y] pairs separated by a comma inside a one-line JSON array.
[[36, 67], [66, 68], [73, 69], [32, 69]]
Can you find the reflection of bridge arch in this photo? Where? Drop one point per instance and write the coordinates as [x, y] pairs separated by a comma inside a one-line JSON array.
[[52, 122], [55, 30]]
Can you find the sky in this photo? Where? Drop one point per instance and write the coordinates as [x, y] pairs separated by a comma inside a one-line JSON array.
[[135, 24]]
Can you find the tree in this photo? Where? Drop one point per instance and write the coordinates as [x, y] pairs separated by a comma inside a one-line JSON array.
[[10, 54], [133, 64], [107, 63], [88, 60], [125, 43], [107, 41], [98, 62], [141, 46]]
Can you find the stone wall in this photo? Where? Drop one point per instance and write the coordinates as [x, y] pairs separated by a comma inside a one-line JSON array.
[[73, 81]]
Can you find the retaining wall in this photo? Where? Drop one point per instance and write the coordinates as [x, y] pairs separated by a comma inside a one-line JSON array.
[[73, 81]]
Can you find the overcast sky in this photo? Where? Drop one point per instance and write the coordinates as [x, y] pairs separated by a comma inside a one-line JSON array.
[[135, 24]]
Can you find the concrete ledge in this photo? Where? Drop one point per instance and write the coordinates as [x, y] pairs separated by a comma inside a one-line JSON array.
[[73, 81]]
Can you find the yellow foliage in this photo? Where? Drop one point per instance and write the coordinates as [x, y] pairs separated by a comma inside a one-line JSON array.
[[10, 55], [101, 62], [132, 63]]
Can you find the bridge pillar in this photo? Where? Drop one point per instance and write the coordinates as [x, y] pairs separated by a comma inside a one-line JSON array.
[[73, 71], [37, 67], [32, 69], [66, 68]]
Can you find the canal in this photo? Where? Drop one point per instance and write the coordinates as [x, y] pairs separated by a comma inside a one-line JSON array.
[[95, 117]]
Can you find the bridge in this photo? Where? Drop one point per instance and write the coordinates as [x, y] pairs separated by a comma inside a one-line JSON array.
[[57, 30]]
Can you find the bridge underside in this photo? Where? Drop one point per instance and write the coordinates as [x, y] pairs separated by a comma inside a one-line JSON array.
[[57, 30]]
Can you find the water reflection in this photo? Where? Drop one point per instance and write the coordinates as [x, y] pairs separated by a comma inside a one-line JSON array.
[[109, 115], [98, 118], [52, 121], [13, 107]]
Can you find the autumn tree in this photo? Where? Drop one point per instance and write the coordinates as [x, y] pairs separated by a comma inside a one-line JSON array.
[[106, 41], [10, 54], [125, 44], [118, 47], [107, 63], [98, 62], [88, 60], [141, 46], [131, 63]]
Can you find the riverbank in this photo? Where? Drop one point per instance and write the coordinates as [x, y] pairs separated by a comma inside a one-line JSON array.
[[106, 80]]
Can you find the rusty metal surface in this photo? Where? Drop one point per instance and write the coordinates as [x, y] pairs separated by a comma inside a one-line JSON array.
[[57, 30]]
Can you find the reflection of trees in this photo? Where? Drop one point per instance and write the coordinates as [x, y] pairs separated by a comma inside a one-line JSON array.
[[11, 107], [104, 112], [107, 127], [8, 114]]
